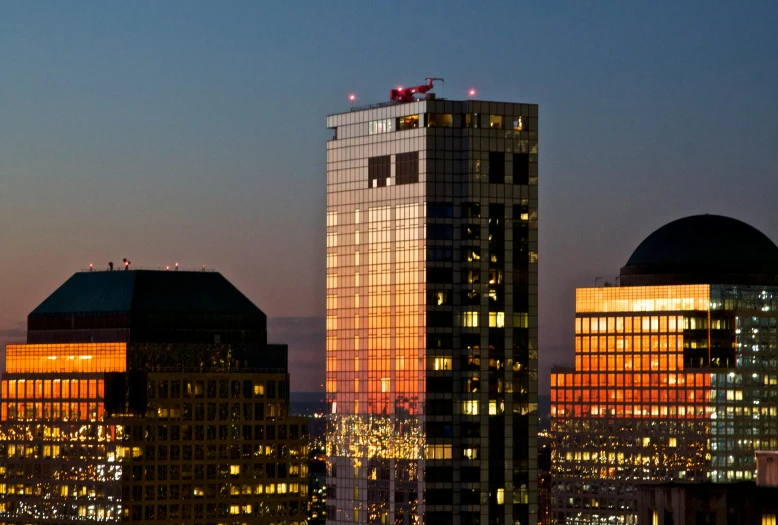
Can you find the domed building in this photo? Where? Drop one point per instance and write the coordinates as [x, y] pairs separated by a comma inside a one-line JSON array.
[[676, 370]]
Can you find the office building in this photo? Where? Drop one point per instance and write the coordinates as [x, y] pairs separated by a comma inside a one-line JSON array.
[[147, 396], [675, 375], [432, 313]]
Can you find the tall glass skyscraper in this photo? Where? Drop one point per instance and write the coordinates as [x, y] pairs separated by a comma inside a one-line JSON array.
[[432, 313], [676, 371]]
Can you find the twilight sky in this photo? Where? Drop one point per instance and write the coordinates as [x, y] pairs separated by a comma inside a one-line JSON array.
[[195, 132]]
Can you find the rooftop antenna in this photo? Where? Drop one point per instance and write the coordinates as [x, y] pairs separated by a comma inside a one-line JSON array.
[[126, 264], [110, 266], [176, 266], [595, 281], [90, 267]]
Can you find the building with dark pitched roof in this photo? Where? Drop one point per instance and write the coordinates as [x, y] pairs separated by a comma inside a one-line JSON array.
[[149, 395], [675, 375]]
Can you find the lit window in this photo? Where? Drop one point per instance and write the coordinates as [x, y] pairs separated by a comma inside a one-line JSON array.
[[385, 384], [518, 124], [673, 442], [234, 509], [380, 126], [500, 496], [495, 121], [470, 407], [234, 469], [768, 519], [521, 320], [440, 120], [496, 319], [470, 453], [471, 121], [438, 451], [470, 319], [439, 363], [407, 122]]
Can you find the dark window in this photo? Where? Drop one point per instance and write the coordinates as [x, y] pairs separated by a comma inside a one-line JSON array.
[[471, 210], [471, 430], [521, 168], [438, 474], [439, 341], [407, 168], [439, 407], [471, 496], [440, 210], [440, 385], [440, 319], [440, 275], [440, 254], [440, 232], [496, 167], [438, 518], [378, 170], [440, 430], [470, 341], [439, 497]]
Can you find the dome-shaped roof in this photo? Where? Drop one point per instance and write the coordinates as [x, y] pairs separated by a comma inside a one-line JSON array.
[[705, 248]]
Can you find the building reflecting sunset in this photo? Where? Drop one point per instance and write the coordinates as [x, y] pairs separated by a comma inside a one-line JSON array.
[[674, 371], [432, 313], [149, 396]]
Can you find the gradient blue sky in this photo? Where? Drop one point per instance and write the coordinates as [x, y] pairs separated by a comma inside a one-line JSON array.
[[192, 131]]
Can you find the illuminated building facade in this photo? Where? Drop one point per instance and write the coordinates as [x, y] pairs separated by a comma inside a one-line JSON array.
[[676, 371], [432, 314], [143, 396]]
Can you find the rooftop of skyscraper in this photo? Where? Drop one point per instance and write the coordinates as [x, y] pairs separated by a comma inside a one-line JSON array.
[[701, 249]]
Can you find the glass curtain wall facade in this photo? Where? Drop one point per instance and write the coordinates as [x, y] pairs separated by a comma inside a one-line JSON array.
[[182, 431], [432, 314], [670, 383]]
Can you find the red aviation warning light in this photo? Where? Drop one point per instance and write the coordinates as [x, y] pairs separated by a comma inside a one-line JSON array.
[[352, 97], [471, 92], [402, 94]]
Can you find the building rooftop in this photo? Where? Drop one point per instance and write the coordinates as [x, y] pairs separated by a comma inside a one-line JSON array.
[[147, 306], [703, 249], [146, 290]]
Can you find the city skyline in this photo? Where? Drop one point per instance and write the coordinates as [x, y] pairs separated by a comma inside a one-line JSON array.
[[164, 134]]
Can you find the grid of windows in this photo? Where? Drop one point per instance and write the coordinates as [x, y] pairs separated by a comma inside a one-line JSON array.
[[432, 316], [670, 383], [216, 447], [209, 447], [66, 358]]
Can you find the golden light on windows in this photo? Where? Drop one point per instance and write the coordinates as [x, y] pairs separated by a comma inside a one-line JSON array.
[[643, 298], [66, 358]]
